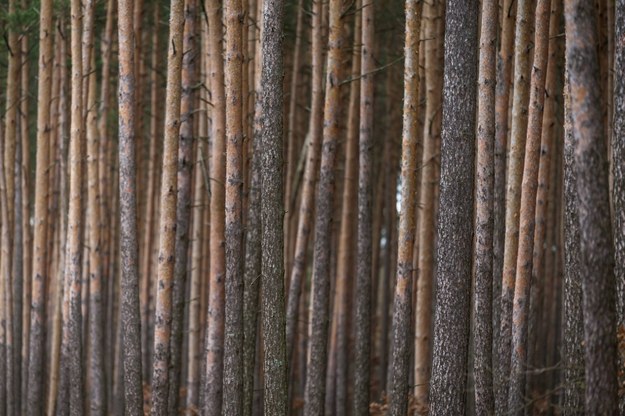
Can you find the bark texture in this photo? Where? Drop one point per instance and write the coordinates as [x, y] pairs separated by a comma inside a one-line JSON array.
[[129, 279], [455, 221], [34, 404], [272, 212], [484, 215], [318, 321], [596, 249]]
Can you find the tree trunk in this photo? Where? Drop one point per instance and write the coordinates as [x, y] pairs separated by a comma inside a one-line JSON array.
[[183, 207], [455, 227], [522, 58], [211, 390], [307, 204], [364, 270], [37, 337], [72, 323], [618, 154], [129, 279], [596, 250], [402, 310], [318, 321], [272, 211], [167, 220], [484, 215]]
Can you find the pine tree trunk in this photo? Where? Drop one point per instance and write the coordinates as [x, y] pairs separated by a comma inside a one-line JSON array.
[[272, 211], [364, 270], [518, 130], [596, 245], [518, 360], [233, 339], [211, 388], [183, 207], [72, 322], [455, 227], [484, 215], [618, 154], [167, 220], [318, 321], [402, 310], [307, 204], [129, 279], [34, 404]]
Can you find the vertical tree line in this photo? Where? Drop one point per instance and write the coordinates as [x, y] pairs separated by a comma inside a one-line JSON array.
[[312, 207]]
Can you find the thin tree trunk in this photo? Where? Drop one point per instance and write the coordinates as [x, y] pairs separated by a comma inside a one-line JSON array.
[[529, 185], [95, 376], [72, 323], [272, 211], [307, 204], [34, 404], [484, 215], [129, 280], [183, 208], [253, 250], [233, 339], [318, 321], [345, 256], [596, 249], [6, 395], [455, 226], [167, 220], [211, 390], [365, 181], [618, 154], [522, 58], [10, 119], [398, 389]]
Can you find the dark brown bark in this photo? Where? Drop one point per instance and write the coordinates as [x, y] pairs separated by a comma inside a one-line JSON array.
[[129, 278], [272, 212], [318, 321], [233, 339], [573, 331], [484, 215], [618, 154], [596, 245], [455, 226], [34, 404], [183, 207]]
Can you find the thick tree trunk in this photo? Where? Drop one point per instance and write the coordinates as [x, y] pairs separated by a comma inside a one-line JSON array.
[[618, 154], [34, 404], [596, 249], [518, 132], [183, 207], [455, 221], [573, 331], [484, 215], [129, 279], [272, 212], [318, 321]]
